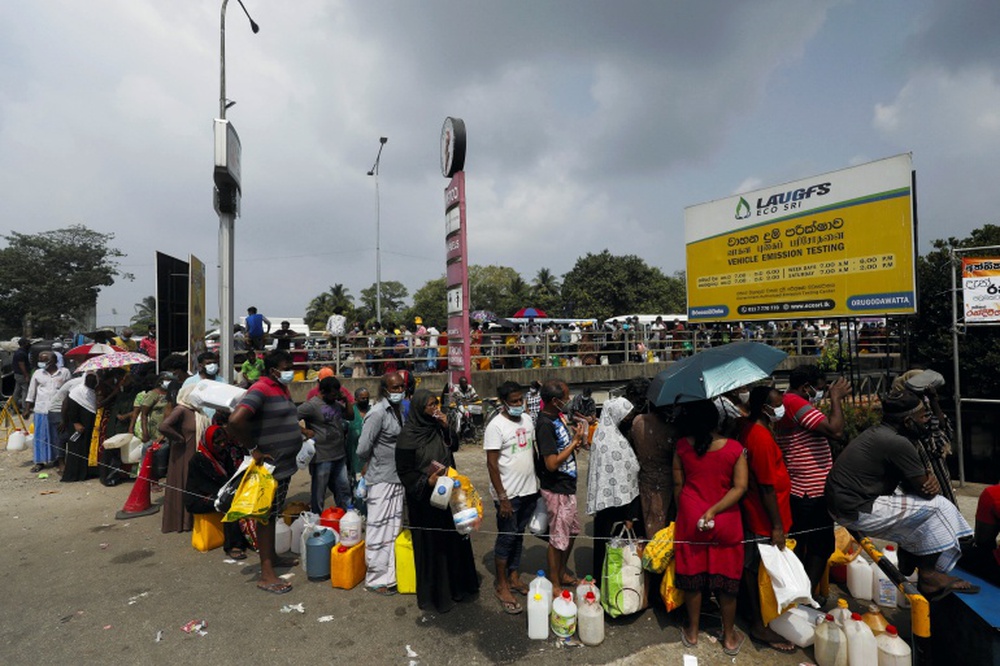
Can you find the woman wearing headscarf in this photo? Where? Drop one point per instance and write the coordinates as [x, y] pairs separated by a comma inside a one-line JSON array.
[[612, 479], [209, 469], [446, 568], [81, 410], [183, 427]]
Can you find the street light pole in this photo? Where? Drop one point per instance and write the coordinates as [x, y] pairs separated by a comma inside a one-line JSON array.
[[227, 219], [378, 232]]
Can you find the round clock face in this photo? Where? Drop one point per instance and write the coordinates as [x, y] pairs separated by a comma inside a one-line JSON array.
[[452, 146]]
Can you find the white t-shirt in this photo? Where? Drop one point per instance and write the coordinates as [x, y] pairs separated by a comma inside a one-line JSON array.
[[516, 444]]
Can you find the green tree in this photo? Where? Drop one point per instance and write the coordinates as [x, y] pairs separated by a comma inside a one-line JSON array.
[[145, 315], [50, 279], [545, 292], [430, 303], [499, 289], [930, 332], [604, 285], [393, 302], [322, 306]]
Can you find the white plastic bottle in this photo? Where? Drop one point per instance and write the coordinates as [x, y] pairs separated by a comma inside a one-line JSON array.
[[861, 647], [883, 589], [441, 494], [543, 586], [587, 585], [538, 615], [892, 650], [842, 613], [282, 536], [563, 617], [793, 625], [859, 579], [464, 515], [351, 527], [591, 620], [830, 646]]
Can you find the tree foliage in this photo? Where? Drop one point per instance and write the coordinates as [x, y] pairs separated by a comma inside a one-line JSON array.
[[145, 315], [605, 285], [49, 280], [322, 306], [930, 341], [430, 303], [394, 296]]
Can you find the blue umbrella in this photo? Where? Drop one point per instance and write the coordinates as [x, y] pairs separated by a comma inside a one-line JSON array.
[[713, 372]]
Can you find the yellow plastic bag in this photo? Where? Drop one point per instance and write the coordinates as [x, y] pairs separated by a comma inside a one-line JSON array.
[[406, 568], [768, 602], [254, 495], [659, 552], [673, 598]]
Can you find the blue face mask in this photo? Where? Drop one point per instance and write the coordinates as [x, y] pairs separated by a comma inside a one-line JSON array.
[[395, 398], [287, 377], [515, 411]]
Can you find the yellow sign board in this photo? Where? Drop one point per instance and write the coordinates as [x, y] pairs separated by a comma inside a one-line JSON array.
[[838, 244]]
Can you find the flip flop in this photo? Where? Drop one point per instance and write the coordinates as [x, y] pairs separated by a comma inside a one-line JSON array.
[[281, 587], [736, 650], [510, 607], [236, 554], [948, 589], [522, 589], [784, 648], [685, 642]]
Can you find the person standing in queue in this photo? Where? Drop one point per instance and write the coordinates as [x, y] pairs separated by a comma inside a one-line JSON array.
[[266, 423]]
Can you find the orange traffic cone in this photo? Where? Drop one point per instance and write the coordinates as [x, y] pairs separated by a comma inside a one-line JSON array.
[[139, 502]]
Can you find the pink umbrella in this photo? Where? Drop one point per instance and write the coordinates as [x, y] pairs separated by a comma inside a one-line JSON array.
[[113, 360]]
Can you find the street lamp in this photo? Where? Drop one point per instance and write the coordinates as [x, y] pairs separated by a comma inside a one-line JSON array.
[[227, 199], [378, 232]]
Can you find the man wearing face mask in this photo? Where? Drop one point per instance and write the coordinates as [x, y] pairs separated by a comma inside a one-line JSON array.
[[861, 495], [804, 435], [208, 369], [41, 389], [266, 423], [360, 408], [509, 442], [377, 452]]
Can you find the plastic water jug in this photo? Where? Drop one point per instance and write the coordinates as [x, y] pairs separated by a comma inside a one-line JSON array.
[[875, 620], [406, 566], [859, 579], [304, 540], [207, 533], [282, 537], [587, 585], [541, 585], [331, 517], [351, 528], [29, 440], [538, 615], [591, 619], [794, 625], [347, 565], [842, 613], [883, 589], [466, 517], [563, 617], [299, 525], [892, 650], [830, 646], [15, 440], [318, 548], [441, 494], [861, 646]]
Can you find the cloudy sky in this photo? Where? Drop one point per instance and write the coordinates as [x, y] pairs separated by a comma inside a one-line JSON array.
[[591, 125]]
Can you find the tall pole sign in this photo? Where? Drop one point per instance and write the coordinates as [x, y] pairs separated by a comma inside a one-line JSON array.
[[457, 260]]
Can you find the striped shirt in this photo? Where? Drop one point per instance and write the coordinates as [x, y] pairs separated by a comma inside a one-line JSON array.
[[807, 452], [274, 424]]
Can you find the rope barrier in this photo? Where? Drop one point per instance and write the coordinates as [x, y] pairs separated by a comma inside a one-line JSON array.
[[585, 537]]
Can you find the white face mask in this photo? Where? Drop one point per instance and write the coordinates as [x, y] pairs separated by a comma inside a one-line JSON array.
[[818, 396], [212, 369], [777, 413], [287, 377], [744, 396], [395, 398]]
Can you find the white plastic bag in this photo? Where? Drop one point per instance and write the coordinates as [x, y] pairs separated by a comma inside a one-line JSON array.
[[306, 454], [133, 454], [539, 523], [622, 580], [216, 395], [224, 497], [788, 577]]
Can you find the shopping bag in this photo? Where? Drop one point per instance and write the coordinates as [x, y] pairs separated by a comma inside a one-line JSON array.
[[659, 552], [539, 523], [305, 454], [781, 580], [673, 598], [254, 495], [622, 580], [225, 494]]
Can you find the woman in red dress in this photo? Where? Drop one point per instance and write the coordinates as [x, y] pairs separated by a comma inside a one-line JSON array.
[[710, 477]]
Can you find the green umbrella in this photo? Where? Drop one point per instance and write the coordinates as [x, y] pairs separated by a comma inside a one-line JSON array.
[[713, 372]]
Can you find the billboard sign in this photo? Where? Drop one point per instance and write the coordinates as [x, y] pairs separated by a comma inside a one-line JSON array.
[[837, 244], [172, 293], [981, 289], [196, 311]]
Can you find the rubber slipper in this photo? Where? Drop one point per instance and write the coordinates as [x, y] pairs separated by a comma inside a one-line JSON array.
[[736, 650], [510, 607], [784, 648], [382, 591], [281, 587], [521, 589], [236, 554], [35, 469], [948, 589], [685, 642]]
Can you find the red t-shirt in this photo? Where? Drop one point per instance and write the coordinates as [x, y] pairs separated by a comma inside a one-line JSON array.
[[767, 466], [988, 511]]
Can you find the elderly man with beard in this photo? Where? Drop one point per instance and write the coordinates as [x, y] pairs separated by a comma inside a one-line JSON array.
[[861, 494]]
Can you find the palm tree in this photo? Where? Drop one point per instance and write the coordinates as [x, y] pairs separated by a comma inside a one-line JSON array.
[[545, 283], [145, 315], [321, 307]]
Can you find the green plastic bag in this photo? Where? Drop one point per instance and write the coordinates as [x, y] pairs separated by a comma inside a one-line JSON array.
[[622, 580], [254, 495]]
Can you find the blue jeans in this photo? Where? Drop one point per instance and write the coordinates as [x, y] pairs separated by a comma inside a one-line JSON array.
[[432, 356], [332, 475], [510, 542]]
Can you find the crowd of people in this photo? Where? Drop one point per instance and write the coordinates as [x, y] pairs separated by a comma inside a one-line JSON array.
[[751, 466]]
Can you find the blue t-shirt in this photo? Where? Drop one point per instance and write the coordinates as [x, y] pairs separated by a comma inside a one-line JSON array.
[[552, 436], [255, 325]]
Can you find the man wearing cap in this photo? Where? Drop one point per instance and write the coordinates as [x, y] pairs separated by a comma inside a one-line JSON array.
[[861, 495], [324, 372]]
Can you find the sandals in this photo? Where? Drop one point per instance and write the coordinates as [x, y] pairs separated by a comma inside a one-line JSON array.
[[236, 554], [685, 642], [522, 589], [510, 607], [949, 588], [35, 469], [383, 590], [732, 652], [281, 587]]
